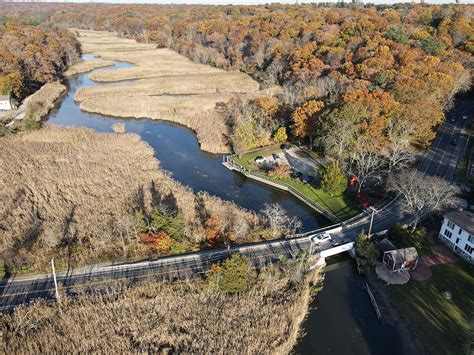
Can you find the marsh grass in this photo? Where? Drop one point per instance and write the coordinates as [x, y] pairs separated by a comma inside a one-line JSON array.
[[69, 193], [163, 317]]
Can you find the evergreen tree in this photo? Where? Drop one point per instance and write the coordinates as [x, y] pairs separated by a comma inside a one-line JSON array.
[[235, 274], [333, 180], [366, 249]]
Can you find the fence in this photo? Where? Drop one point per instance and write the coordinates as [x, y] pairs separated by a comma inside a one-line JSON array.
[[281, 185]]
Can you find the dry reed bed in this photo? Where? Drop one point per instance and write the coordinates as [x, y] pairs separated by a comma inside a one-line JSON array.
[[58, 182], [167, 73], [166, 318], [41, 102], [87, 66]]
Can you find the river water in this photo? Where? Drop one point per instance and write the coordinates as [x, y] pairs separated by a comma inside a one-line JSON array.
[[178, 150], [342, 320]]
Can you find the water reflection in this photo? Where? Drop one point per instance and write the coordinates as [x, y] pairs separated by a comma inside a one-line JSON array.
[[178, 150]]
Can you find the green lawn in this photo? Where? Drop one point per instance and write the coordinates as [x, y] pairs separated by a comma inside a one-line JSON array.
[[343, 207], [440, 324]]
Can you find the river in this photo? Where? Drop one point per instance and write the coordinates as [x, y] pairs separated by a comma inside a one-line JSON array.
[[342, 320]]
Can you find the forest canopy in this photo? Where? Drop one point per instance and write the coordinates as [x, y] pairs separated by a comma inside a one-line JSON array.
[[361, 84], [33, 53]]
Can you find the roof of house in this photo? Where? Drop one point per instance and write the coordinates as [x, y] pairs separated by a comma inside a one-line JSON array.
[[385, 245], [402, 255], [463, 219], [4, 97]]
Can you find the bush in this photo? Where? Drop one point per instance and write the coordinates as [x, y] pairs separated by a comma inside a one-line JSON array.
[[333, 180], [280, 171], [234, 274], [405, 239], [367, 250], [118, 127], [280, 135]]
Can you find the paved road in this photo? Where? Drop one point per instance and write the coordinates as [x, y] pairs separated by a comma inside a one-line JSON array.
[[441, 159]]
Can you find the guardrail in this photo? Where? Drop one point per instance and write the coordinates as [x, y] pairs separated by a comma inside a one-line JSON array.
[[284, 186]]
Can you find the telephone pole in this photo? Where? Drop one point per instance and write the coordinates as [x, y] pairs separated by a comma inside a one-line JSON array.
[[55, 281]]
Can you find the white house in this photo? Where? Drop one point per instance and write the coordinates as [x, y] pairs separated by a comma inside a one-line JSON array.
[[5, 102], [457, 232]]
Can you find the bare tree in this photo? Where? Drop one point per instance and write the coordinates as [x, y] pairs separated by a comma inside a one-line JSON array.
[[366, 165], [275, 218], [422, 194]]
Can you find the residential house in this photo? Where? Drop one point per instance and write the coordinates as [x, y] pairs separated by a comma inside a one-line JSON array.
[[457, 232], [5, 103], [401, 259]]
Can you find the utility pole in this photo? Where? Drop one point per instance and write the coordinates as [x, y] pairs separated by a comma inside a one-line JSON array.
[[371, 221], [55, 281]]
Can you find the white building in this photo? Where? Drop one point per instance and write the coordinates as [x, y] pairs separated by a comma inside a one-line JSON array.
[[457, 232], [5, 103]]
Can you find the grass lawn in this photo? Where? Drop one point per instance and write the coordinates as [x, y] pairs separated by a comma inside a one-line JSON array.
[[342, 207], [440, 324]]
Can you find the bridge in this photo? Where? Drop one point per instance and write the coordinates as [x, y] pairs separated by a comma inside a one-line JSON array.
[[441, 159]]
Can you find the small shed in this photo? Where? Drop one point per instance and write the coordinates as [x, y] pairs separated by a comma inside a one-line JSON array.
[[401, 259], [5, 103]]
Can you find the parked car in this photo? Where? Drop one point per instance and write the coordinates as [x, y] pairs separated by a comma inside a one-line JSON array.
[[320, 238], [453, 119], [296, 175], [276, 156], [259, 159], [454, 141], [339, 241], [464, 117], [308, 179]]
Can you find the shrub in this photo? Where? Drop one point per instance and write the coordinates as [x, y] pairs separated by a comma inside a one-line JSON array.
[[280, 171], [405, 239], [333, 180], [234, 274], [118, 127], [366, 249], [280, 135]]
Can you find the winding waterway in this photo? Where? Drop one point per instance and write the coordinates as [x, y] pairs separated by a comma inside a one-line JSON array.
[[177, 148], [342, 320]]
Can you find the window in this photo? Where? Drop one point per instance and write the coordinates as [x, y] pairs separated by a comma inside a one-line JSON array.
[[448, 233], [457, 240], [450, 224], [468, 249], [471, 239], [460, 231]]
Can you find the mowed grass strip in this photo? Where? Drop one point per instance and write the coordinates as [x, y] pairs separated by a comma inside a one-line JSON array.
[[441, 324], [343, 206]]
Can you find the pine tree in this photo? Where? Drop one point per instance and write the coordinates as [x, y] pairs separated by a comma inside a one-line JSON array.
[[333, 180], [235, 274]]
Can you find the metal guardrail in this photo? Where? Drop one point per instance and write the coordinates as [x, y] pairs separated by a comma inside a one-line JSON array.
[[228, 159]]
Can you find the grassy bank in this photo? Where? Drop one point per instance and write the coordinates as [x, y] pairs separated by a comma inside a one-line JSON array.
[[87, 66], [440, 324], [343, 207]]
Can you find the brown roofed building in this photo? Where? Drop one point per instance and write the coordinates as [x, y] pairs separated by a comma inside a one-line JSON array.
[[401, 259]]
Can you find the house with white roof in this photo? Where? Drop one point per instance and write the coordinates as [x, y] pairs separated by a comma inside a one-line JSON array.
[[457, 232], [5, 103]]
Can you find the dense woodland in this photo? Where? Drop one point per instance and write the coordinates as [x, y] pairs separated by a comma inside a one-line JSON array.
[[361, 84], [33, 53]]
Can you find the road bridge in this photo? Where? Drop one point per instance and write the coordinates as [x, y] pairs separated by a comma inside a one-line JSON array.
[[441, 160]]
